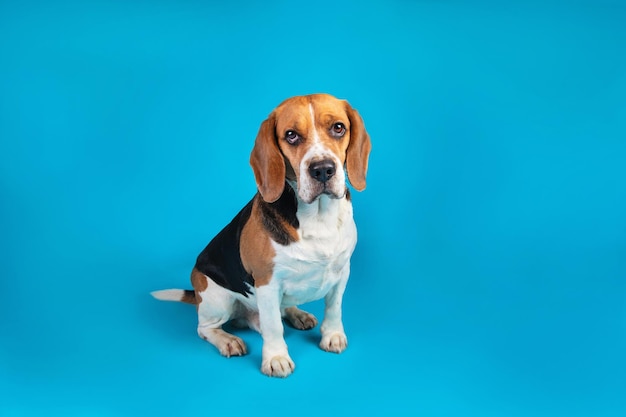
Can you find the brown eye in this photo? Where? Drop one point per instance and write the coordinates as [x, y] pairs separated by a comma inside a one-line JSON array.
[[338, 130], [291, 136]]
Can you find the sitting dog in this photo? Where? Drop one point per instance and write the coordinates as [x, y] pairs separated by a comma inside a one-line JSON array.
[[292, 243]]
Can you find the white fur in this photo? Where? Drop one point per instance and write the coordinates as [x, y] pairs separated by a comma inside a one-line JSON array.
[[315, 135], [310, 267], [317, 266], [168, 295]]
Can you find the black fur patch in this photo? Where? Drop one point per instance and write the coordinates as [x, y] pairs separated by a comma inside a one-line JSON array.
[[221, 260], [276, 214]]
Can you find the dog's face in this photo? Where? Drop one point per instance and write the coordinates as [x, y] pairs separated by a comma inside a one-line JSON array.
[[308, 141]]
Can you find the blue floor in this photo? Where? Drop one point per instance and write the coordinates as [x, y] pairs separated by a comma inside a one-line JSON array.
[[490, 274]]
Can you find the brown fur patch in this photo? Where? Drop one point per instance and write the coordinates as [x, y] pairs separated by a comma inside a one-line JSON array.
[[358, 150], [279, 218], [257, 253], [293, 233], [267, 161], [189, 297], [199, 283]]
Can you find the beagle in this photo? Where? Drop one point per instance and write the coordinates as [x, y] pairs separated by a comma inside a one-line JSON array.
[[292, 243]]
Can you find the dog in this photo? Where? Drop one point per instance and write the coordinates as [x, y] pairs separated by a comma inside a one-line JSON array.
[[292, 243]]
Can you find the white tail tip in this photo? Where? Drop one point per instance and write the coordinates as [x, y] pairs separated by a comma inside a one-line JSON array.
[[168, 295]]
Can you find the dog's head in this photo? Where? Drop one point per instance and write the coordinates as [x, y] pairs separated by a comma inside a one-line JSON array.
[[312, 142]]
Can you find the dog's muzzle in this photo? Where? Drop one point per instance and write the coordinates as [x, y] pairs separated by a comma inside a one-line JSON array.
[[323, 178]]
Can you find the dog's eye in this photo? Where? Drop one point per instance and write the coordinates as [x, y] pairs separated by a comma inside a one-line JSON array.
[[338, 130], [292, 137]]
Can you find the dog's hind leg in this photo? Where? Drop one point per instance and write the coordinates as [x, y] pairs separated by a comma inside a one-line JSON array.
[[217, 306], [228, 344]]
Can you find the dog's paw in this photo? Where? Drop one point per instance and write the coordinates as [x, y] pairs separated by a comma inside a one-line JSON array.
[[335, 342], [300, 319], [228, 344], [279, 366], [232, 346]]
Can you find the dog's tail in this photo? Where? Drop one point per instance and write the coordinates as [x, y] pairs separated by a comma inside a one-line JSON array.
[[185, 296]]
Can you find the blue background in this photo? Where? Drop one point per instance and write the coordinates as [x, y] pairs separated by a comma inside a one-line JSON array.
[[490, 274]]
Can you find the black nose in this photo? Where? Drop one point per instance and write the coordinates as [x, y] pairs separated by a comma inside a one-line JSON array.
[[322, 170]]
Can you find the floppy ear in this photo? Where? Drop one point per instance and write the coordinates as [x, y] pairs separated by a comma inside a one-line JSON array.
[[358, 150], [267, 162]]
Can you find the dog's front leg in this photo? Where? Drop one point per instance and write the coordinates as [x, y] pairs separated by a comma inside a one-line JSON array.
[[276, 360], [333, 336]]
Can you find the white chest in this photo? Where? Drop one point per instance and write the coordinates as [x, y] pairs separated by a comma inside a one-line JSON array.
[[307, 269]]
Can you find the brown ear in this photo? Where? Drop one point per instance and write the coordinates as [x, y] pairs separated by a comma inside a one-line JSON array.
[[358, 150], [267, 162]]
